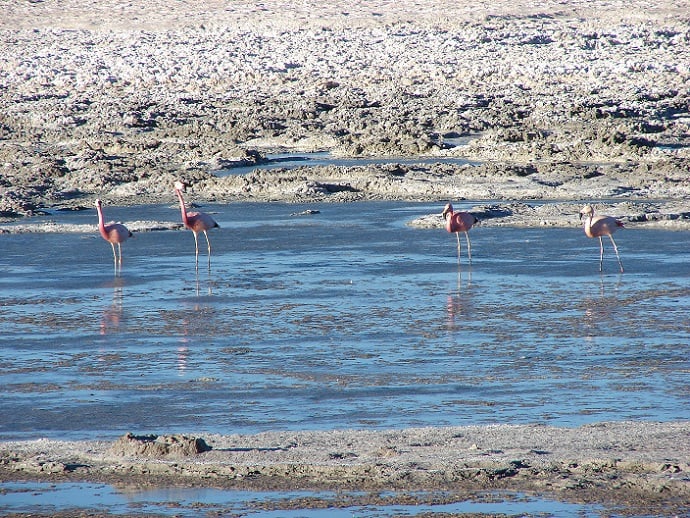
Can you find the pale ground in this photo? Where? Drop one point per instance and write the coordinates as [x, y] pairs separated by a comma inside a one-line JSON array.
[[559, 101], [641, 466]]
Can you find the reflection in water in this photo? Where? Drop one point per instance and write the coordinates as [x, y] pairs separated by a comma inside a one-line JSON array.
[[117, 261], [469, 277], [458, 304], [209, 281], [613, 285], [601, 311], [194, 318], [280, 326], [293, 160], [182, 355], [128, 499], [196, 261], [113, 315]]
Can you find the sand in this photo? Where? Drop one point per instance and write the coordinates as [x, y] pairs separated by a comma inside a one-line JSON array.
[[555, 104], [642, 467]]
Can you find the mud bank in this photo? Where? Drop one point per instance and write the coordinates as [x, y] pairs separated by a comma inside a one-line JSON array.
[[640, 466], [584, 100]]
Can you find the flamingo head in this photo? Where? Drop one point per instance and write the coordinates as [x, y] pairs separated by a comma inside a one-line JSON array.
[[448, 209], [98, 203], [180, 186], [587, 211]]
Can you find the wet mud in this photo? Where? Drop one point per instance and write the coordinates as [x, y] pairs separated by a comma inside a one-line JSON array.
[[639, 467], [553, 102]]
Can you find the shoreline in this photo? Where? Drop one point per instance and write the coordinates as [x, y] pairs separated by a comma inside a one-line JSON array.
[[670, 215], [637, 465], [584, 101]]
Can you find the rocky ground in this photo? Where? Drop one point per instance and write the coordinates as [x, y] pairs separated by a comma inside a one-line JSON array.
[[559, 101], [640, 467]]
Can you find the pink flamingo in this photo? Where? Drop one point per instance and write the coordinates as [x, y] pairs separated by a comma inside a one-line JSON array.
[[113, 233], [459, 222], [601, 226], [195, 221]]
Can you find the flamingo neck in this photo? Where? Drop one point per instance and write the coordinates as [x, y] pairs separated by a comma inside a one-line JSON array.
[[588, 225], [101, 224], [450, 225], [183, 209]]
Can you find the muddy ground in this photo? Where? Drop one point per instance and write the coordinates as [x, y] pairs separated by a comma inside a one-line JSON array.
[[559, 101], [642, 467]]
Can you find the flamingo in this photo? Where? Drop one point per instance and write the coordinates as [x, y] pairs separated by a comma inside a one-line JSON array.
[[195, 221], [113, 233], [601, 226], [459, 222]]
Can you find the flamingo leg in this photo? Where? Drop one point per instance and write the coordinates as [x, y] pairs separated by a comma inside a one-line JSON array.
[[601, 254], [196, 245], [208, 243], [209, 249], [620, 264], [457, 235], [469, 247], [114, 260], [118, 264]]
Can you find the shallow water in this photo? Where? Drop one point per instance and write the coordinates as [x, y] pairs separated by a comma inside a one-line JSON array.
[[193, 502], [294, 160], [342, 319]]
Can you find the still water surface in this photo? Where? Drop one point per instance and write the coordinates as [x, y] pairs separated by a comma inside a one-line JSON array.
[[294, 160], [194, 502], [343, 319]]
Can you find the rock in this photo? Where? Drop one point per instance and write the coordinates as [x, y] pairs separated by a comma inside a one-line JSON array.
[[131, 445], [308, 212]]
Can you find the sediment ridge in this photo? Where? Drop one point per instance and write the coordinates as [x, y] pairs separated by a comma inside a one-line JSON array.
[[641, 466]]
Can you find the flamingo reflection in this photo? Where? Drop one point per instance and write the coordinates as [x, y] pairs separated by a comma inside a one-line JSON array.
[[112, 316]]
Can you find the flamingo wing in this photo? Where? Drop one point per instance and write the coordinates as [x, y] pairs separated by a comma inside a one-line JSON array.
[[604, 225], [461, 222], [117, 233], [200, 221]]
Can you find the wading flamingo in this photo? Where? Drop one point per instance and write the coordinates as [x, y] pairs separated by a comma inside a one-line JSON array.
[[195, 221], [601, 226], [113, 233], [457, 222]]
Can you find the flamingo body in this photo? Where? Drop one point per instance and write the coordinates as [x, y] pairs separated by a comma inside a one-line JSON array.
[[198, 221], [113, 233], [195, 221], [457, 222], [599, 226]]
